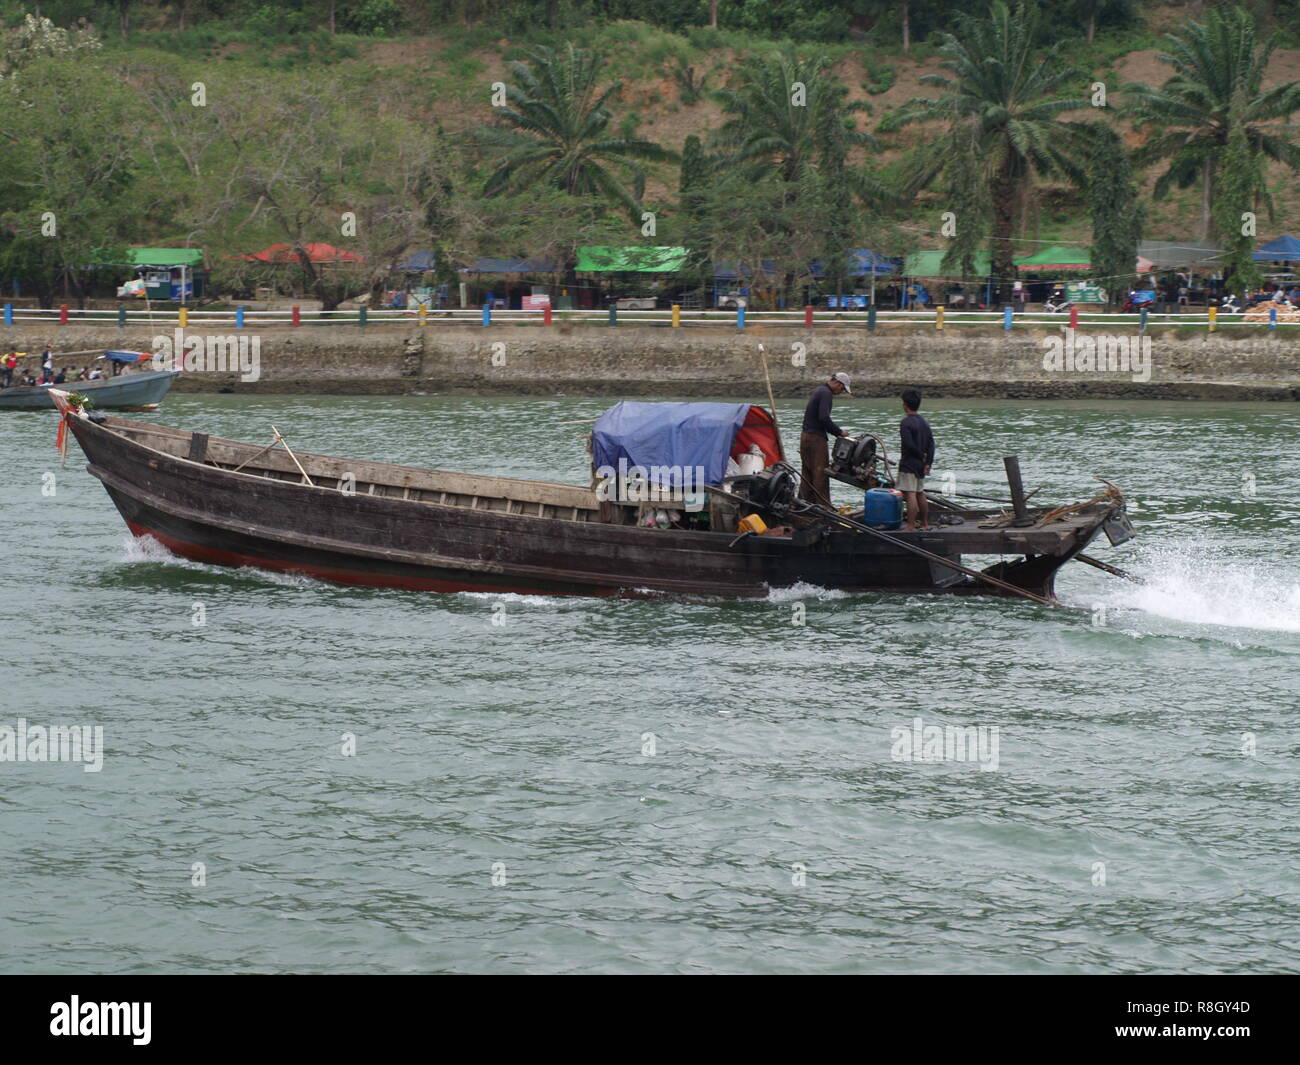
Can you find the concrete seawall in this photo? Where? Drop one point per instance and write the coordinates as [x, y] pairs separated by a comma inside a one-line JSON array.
[[630, 360]]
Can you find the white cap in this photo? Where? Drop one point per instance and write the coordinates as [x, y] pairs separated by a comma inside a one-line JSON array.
[[843, 379]]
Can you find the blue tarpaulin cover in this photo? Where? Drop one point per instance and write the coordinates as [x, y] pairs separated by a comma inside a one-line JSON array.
[[1283, 249], [668, 434]]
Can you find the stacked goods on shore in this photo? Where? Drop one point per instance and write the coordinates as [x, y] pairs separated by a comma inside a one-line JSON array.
[[1259, 313]]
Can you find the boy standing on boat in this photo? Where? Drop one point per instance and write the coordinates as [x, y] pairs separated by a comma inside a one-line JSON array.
[[814, 451], [917, 458]]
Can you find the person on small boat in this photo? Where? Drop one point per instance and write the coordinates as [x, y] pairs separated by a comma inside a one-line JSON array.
[[61, 376], [916, 458], [814, 451], [10, 364]]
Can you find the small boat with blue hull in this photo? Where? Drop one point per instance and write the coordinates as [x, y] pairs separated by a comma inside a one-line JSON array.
[[129, 391]]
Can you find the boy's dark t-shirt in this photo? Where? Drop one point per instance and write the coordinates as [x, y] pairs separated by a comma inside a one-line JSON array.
[[918, 445]]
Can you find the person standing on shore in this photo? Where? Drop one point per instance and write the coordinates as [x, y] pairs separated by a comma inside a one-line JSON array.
[[916, 458], [814, 451]]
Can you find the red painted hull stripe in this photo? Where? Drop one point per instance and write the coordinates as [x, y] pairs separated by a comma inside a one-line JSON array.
[[217, 557]]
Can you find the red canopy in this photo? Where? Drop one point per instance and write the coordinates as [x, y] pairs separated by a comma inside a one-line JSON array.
[[759, 428], [316, 252]]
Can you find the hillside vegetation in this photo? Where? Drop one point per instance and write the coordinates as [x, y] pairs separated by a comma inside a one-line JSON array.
[[230, 125]]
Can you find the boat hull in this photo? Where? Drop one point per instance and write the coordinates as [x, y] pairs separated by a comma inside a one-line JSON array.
[[216, 515], [135, 391]]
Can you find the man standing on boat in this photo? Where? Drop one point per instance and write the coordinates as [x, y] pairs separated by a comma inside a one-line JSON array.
[[814, 451], [915, 460]]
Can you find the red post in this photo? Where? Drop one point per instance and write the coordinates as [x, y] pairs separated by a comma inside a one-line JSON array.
[[546, 315], [297, 315], [807, 316], [63, 314], [1074, 317]]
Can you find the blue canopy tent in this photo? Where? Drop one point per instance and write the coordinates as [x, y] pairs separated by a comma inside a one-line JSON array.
[[504, 269], [661, 437], [863, 262], [1284, 249], [418, 263]]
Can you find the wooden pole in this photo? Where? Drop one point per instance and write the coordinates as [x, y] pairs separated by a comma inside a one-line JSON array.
[[281, 440], [771, 401]]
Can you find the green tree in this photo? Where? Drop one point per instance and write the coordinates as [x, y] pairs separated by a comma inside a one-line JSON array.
[[1001, 104], [1116, 212], [791, 130], [68, 188], [1192, 116], [554, 130], [1235, 205]]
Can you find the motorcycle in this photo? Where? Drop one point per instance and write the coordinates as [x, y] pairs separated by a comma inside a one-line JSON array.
[[1056, 302]]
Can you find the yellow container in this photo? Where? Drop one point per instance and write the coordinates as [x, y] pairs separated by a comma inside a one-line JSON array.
[[753, 523]]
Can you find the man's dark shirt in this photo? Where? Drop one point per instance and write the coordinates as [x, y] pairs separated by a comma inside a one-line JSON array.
[[918, 445], [817, 415]]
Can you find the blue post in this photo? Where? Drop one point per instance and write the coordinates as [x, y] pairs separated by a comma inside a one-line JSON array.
[[239, 317], [1007, 315], [362, 316], [871, 318], [1142, 319], [740, 317], [1272, 317], [121, 316], [9, 314], [613, 314], [487, 314]]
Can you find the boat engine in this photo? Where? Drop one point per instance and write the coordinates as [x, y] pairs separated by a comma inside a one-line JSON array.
[[773, 489], [853, 461]]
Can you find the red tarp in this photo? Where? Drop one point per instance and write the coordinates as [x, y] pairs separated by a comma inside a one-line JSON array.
[[316, 252], [759, 428]]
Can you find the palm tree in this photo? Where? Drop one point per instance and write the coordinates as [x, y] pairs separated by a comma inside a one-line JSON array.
[[1219, 68], [790, 125], [1001, 105], [782, 114], [555, 132]]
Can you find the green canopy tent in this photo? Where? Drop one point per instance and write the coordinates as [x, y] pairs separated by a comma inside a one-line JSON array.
[[171, 270], [1060, 257], [635, 259], [928, 265], [630, 260]]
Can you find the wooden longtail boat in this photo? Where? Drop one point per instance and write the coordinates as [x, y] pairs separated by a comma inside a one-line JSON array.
[[372, 523], [131, 391]]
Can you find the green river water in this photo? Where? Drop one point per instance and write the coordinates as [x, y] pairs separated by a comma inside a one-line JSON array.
[[652, 785]]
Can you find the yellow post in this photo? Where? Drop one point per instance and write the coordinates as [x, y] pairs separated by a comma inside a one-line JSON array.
[[1214, 314], [677, 316], [424, 313], [185, 317], [938, 317]]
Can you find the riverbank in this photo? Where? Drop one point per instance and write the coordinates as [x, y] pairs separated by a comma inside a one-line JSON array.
[[630, 360]]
